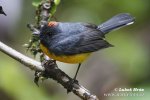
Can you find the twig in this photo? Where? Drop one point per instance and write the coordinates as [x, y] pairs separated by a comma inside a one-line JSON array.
[[32, 64], [51, 70]]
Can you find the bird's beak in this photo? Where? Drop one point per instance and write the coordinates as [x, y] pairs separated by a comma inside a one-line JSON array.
[[3, 13]]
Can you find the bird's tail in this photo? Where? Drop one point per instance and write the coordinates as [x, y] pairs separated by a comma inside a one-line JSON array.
[[116, 22]]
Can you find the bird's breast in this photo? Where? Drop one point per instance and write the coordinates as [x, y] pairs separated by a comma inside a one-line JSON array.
[[78, 58]]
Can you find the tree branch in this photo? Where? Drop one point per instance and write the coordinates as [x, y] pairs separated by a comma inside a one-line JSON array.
[[32, 64], [45, 11], [51, 70]]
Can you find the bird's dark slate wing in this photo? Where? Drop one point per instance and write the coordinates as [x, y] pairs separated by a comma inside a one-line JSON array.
[[85, 42], [89, 25]]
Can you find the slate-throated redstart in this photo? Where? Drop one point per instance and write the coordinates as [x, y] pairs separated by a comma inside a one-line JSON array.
[[74, 42]]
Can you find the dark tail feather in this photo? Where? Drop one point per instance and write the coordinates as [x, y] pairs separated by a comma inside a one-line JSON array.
[[116, 22]]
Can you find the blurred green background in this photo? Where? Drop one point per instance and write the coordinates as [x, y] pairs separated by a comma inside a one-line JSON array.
[[126, 65]]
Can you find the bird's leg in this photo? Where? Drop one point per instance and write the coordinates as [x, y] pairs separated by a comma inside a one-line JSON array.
[[70, 83], [77, 71]]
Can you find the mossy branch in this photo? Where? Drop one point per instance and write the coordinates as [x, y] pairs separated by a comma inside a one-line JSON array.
[[44, 13], [50, 69]]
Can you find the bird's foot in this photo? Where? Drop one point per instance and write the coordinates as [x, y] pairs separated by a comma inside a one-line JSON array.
[[70, 85], [40, 75]]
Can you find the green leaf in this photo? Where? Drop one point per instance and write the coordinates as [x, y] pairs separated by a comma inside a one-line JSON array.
[[37, 0], [54, 7], [36, 3], [56, 2]]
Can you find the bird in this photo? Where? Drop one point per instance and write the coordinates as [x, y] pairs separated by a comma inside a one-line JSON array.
[[1, 11], [74, 42]]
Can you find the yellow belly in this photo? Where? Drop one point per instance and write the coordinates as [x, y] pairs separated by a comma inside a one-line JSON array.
[[67, 59]]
